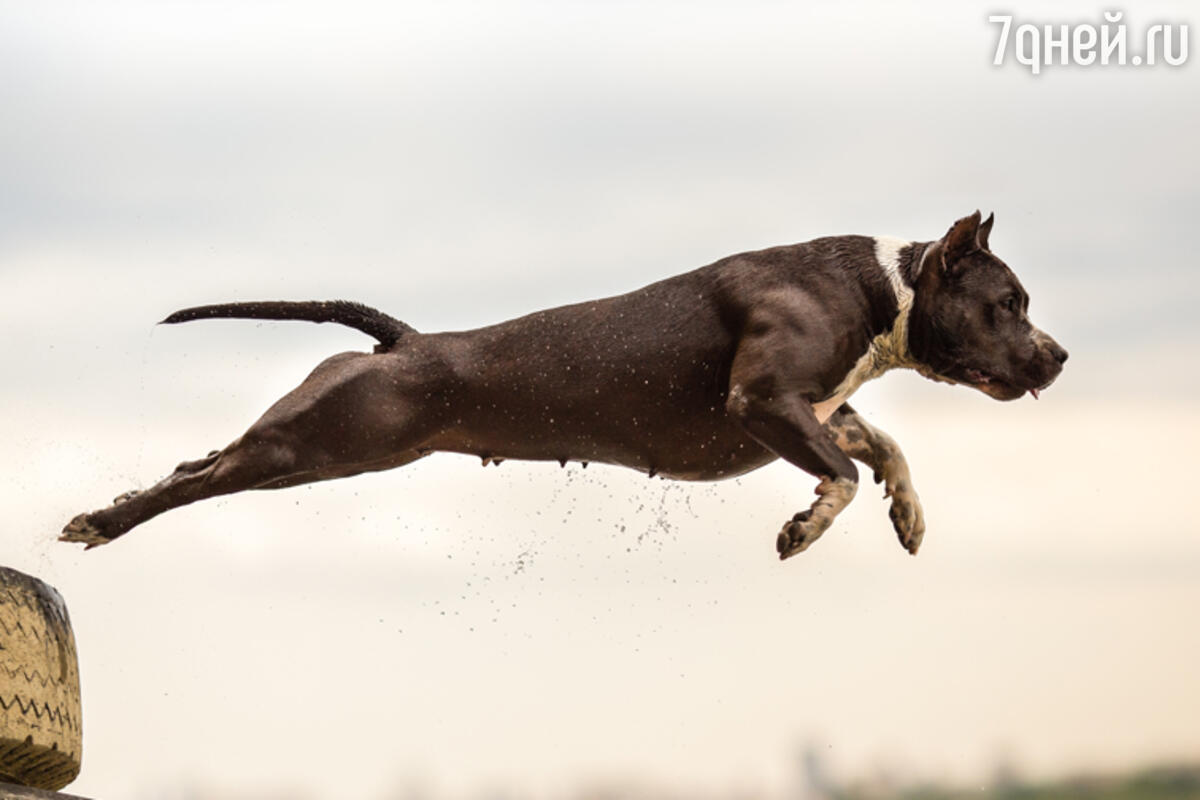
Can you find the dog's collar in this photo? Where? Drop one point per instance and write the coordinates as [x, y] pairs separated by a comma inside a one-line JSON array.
[[910, 270], [910, 274]]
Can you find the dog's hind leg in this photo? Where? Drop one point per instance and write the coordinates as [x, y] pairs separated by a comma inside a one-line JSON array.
[[860, 440], [355, 413]]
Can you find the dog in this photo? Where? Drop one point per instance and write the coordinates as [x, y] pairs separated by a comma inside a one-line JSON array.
[[702, 376]]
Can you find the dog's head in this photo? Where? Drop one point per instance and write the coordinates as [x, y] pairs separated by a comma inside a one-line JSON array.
[[969, 321]]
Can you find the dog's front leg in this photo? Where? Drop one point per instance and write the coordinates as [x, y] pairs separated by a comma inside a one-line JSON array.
[[780, 418], [859, 439]]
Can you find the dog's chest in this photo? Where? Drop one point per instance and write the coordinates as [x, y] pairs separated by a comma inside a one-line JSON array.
[[888, 350], [868, 367]]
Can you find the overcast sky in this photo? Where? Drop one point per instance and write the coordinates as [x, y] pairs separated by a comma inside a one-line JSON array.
[[456, 164]]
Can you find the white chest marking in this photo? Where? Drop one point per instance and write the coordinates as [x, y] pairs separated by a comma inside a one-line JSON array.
[[887, 350]]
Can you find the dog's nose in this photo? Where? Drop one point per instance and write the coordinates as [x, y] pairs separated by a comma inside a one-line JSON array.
[[1060, 354]]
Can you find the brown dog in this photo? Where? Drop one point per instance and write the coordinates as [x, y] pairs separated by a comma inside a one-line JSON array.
[[702, 376]]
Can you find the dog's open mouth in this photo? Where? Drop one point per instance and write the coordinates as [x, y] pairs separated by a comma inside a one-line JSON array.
[[979, 379], [998, 387], [992, 385]]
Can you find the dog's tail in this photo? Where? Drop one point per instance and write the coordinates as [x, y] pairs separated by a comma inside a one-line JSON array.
[[386, 329]]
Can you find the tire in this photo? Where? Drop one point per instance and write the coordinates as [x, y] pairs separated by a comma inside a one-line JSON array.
[[40, 732]]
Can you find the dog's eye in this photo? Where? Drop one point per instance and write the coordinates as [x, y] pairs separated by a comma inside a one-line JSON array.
[[1012, 304]]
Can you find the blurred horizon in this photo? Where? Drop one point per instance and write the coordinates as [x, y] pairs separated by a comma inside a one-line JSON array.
[[812, 780]]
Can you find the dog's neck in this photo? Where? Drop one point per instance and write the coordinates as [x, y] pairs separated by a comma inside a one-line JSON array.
[[889, 349], [902, 263]]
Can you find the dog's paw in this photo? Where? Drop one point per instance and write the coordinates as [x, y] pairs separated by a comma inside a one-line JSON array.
[[797, 534], [82, 530], [907, 516], [807, 526]]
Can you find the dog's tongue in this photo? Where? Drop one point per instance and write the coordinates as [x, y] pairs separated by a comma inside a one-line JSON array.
[[1035, 393]]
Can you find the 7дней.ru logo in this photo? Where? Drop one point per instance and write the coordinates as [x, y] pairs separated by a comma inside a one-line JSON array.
[[1042, 45]]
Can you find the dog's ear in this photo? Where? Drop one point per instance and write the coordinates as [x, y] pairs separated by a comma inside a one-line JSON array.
[[985, 230], [961, 240]]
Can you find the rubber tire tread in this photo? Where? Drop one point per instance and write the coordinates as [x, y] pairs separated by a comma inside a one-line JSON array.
[[40, 728]]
